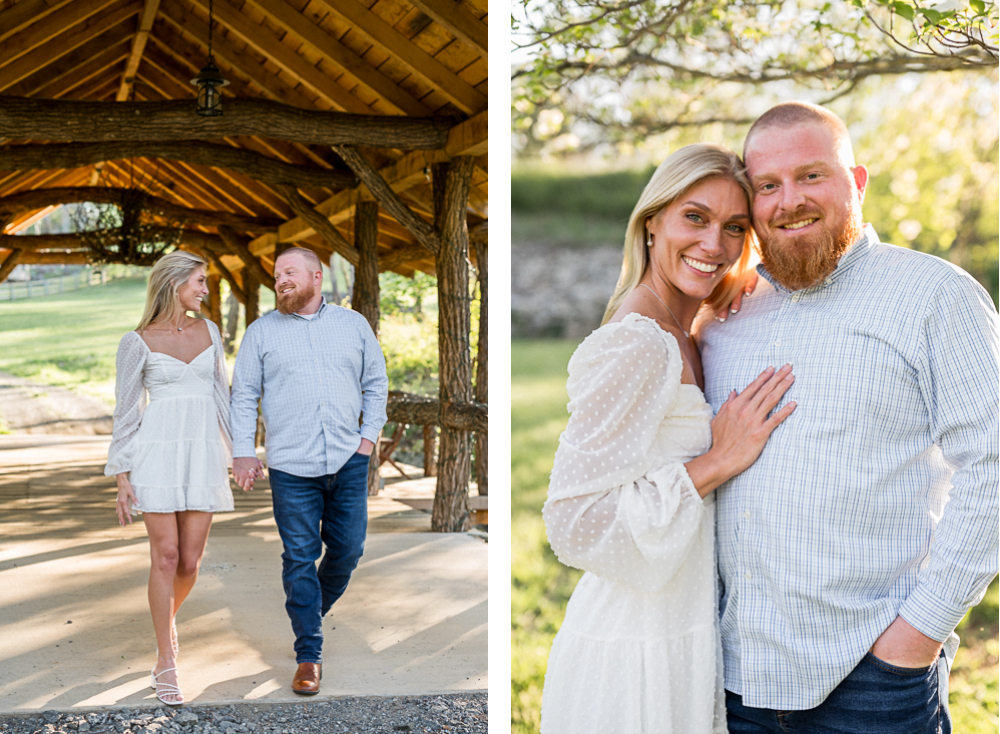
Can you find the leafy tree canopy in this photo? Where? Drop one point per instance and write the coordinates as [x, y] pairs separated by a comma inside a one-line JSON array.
[[588, 71]]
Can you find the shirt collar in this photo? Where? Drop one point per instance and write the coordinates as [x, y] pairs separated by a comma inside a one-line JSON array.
[[854, 254], [319, 312]]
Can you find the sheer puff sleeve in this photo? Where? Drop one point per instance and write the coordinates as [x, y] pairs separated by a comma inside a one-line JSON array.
[[130, 402], [616, 506], [221, 391]]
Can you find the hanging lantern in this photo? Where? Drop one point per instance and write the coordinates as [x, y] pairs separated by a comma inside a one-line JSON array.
[[209, 81]]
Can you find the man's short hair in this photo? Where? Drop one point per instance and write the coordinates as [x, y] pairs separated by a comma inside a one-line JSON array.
[[308, 255], [790, 114]]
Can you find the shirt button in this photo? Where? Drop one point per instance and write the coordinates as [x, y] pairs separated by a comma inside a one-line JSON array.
[[746, 514], [795, 298], [747, 576], [777, 342]]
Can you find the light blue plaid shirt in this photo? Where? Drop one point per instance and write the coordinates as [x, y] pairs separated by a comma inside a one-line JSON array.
[[318, 377], [842, 523]]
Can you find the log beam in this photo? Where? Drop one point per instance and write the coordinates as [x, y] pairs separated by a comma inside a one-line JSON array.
[[338, 243], [138, 47], [200, 240], [254, 165], [459, 21], [425, 234], [425, 411], [82, 121], [217, 263], [239, 248], [41, 198]]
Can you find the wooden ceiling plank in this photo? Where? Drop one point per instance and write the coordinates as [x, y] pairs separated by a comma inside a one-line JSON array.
[[459, 21], [265, 43], [74, 69], [51, 28], [377, 31], [200, 193], [17, 18], [341, 56], [63, 44], [192, 28], [138, 47]]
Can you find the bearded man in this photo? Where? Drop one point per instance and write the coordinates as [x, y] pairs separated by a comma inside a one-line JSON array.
[[867, 528], [322, 376]]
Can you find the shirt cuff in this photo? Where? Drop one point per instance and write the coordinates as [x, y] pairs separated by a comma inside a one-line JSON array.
[[370, 432], [244, 450], [931, 616]]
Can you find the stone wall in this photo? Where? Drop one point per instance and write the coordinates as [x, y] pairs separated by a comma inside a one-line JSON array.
[[560, 291]]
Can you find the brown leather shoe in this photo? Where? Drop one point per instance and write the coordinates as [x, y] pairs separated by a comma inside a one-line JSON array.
[[307, 678]]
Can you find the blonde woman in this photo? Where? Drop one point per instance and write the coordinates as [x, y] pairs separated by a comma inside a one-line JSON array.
[[631, 494], [170, 457]]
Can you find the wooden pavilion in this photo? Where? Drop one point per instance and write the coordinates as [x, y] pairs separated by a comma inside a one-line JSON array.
[[356, 127]]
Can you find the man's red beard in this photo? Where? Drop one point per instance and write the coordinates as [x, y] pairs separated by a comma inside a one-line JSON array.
[[296, 299], [805, 261]]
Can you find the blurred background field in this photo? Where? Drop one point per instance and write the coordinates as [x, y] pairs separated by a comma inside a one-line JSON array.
[[541, 585]]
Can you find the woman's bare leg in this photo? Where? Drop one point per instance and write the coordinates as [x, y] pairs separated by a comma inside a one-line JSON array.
[[163, 531], [193, 535]]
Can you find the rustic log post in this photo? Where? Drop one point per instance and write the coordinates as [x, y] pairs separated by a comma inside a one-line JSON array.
[[366, 295], [451, 195], [482, 372], [234, 286], [252, 289], [232, 322], [212, 306], [430, 450]]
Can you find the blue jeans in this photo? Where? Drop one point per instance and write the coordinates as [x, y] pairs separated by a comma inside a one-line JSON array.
[[875, 698], [311, 512]]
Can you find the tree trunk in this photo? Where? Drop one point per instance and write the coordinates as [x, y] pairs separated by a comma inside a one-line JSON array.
[[366, 295], [482, 372], [451, 195]]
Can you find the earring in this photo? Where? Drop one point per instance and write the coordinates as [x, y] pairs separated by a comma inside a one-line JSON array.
[[649, 238]]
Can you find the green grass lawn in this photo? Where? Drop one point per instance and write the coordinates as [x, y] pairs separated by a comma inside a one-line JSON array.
[[541, 586], [71, 339]]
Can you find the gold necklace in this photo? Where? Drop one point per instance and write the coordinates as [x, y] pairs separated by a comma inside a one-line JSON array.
[[686, 333]]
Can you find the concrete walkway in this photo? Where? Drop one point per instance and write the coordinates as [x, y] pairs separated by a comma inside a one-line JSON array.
[[74, 623]]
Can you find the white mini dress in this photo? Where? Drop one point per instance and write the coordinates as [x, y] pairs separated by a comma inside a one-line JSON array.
[[178, 448], [639, 650]]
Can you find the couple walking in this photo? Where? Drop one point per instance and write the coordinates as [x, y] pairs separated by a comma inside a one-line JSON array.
[[799, 561], [320, 377]]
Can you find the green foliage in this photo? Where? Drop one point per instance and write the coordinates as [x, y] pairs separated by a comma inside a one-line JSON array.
[[541, 586], [401, 295], [411, 355]]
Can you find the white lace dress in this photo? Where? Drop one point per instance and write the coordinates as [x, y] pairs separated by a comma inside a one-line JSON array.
[[177, 449], [639, 649]]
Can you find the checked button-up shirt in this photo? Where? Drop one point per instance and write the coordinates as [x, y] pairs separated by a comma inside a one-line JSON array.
[[315, 379], [877, 497]]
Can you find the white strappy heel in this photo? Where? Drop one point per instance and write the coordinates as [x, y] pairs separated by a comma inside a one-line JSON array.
[[169, 689]]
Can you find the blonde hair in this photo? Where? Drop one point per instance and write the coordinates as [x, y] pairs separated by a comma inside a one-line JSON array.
[[683, 169], [165, 279]]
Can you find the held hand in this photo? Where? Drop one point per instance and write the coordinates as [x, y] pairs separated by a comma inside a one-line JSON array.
[[749, 284], [904, 646], [245, 470], [126, 500], [741, 428]]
